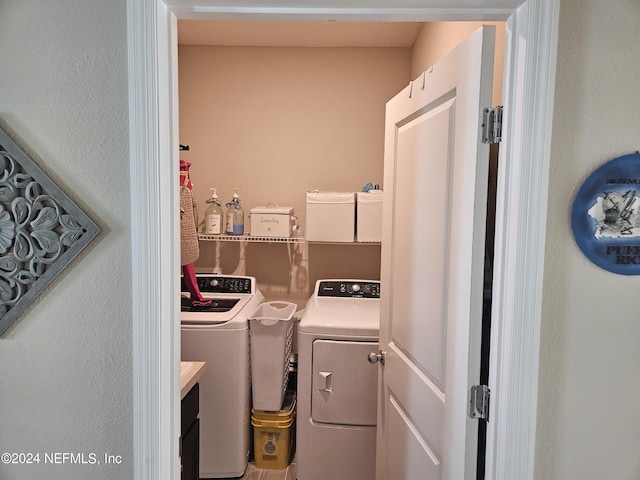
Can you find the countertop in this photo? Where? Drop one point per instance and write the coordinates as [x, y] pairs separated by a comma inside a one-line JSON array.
[[190, 373]]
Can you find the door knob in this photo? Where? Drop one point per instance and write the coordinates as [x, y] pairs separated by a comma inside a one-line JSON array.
[[374, 357]]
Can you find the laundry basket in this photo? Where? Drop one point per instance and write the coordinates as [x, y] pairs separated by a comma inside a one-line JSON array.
[[271, 336]]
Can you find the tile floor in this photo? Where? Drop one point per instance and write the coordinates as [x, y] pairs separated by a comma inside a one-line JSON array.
[[254, 473]]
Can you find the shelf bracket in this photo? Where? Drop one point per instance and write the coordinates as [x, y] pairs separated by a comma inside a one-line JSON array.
[[290, 252]]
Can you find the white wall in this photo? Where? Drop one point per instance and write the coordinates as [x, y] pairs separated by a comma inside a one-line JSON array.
[[65, 366], [588, 417]]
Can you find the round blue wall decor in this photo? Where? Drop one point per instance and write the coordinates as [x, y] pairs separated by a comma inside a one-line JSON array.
[[606, 216]]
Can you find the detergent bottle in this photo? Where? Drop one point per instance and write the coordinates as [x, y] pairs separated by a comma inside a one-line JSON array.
[[213, 215], [235, 215]]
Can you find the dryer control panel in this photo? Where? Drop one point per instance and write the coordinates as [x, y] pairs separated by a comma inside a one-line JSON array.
[[349, 289]]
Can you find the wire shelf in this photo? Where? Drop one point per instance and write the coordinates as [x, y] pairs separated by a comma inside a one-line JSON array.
[[249, 238], [253, 239]]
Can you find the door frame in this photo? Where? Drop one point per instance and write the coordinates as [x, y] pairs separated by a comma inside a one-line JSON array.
[[528, 87]]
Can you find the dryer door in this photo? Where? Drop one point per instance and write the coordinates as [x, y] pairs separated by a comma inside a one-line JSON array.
[[344, 385]]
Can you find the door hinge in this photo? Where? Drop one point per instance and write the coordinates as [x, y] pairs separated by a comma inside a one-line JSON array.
[[492, 125], [479, 402]]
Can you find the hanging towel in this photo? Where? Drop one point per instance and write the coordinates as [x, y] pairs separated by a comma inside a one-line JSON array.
[[189, 247]]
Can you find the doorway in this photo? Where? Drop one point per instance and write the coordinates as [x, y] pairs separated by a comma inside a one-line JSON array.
[[251, 92], [530, 71]]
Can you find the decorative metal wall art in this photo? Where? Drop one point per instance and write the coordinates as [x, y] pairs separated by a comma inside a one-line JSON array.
[[606, 215], [41, 231]]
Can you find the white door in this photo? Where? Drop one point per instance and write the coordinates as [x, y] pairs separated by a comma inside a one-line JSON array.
[[435, 181]]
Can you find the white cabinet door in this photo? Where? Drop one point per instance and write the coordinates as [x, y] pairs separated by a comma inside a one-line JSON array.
[[435, 183]]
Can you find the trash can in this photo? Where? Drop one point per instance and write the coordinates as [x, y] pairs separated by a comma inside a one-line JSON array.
[[271, 336], [273, 435]]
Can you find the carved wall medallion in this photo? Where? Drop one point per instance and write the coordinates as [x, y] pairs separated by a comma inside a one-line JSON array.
[[41, 231]]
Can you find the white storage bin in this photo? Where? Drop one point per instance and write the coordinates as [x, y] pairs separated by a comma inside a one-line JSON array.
[[271, 337], [369, 216], [331, 216], [272, 221]]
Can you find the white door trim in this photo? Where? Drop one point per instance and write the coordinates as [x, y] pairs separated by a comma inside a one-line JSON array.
[[155, 243], [528, 90], [520, 218]]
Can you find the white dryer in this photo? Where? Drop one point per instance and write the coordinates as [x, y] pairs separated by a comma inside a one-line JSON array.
[[219, 335], [337, 385]]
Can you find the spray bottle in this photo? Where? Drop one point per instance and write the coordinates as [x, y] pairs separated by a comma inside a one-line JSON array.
[[235, 215], [213, 215]]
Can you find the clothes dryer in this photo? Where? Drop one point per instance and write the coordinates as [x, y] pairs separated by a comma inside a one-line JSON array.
[[337, 385], [219, 335]]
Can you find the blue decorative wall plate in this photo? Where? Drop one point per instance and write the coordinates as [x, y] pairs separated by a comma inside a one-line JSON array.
[[606, 216], [41, 231]]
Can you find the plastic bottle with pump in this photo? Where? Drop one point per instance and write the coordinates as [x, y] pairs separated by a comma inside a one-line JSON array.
[[235, 215], [213, 215]]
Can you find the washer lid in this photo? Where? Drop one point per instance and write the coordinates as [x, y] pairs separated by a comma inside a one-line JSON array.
[[230, 294], [203, 317], [341, 316], [217, 305]]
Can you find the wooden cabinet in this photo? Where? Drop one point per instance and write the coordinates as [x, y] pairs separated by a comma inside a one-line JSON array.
[[190, 435]]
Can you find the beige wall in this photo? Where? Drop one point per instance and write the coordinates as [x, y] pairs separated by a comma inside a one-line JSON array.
[[65, 365], [277, 122], [436, 39], [588, 416]]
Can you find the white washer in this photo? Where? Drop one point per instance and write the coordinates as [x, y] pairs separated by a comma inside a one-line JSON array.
[[219, 335], [337, 385]]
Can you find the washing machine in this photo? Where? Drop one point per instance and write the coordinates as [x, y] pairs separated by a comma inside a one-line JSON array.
[[337, 385], [219, 335]]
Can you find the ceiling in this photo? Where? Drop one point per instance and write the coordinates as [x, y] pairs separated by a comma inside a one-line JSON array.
[[297, 34]]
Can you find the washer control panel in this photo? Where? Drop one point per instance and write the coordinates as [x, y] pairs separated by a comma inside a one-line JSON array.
[[349, 289], [220, 284]]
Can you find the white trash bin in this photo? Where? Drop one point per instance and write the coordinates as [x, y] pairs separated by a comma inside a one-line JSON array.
[[271, 337]]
